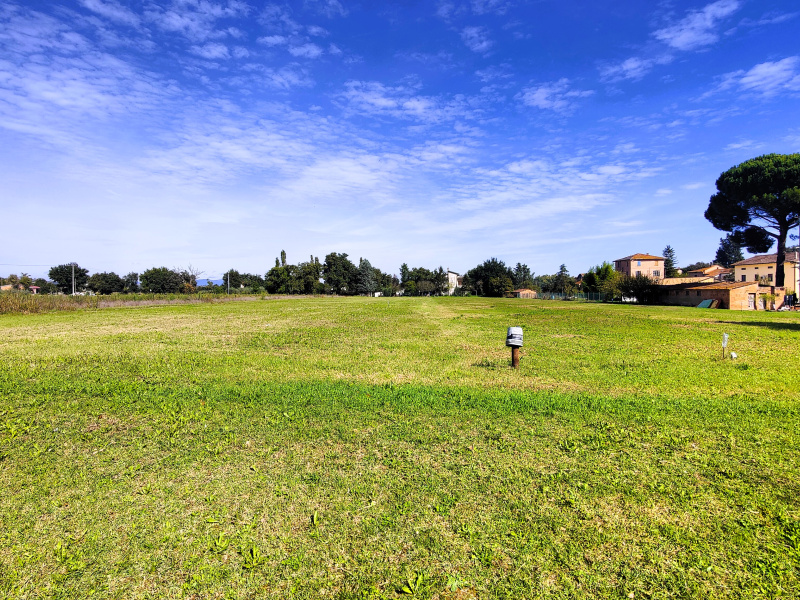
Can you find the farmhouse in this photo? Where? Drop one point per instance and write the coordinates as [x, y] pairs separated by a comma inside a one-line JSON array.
[[733, 295], [762, 268], [641, 264]]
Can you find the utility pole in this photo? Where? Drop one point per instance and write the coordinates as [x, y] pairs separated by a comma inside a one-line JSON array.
[[73, 279], [229, 282]]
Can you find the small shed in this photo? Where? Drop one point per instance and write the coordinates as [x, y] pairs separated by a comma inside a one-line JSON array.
[[524, 293]]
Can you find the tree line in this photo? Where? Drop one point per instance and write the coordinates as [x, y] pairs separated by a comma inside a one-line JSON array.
[[337, 274]]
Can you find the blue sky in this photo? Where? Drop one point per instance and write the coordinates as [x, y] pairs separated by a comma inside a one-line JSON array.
[[215, 133]]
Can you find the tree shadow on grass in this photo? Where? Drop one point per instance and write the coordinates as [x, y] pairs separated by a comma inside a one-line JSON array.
[[778, 326]]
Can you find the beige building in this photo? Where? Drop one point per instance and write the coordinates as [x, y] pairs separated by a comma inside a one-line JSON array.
[[715, 271], [641, 264], [762, 268], [523, 293]]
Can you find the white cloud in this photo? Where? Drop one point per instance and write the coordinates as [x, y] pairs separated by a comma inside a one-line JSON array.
[[767, 79], [113, 11], [287, 78], [633, 68], [743, 145], [663, 192], [328, 8], [697, 29], [317, 31], [211, 51], [195, 19], [374, 98], [476, 39], [556, 96], [273, 40], [306, 51]]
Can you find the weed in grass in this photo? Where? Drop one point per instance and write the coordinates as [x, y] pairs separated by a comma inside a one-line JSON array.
[[252, 558]]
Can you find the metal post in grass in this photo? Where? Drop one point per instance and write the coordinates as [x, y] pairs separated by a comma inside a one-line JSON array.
[[724, 343], [514, 340]]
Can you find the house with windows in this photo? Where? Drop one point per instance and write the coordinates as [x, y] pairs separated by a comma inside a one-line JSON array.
[[761, 268], [641, 264]]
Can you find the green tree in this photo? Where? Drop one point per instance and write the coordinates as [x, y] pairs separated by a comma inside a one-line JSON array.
[[759, 202], [161, 280], [365, 278], [596, 279], [440, 282], [45, 287], [640, 287], [563, 283], [131, 283], [670, 262], [491, 278], [62, 276], [522, 277], [729, 251], [339, 273], [232, 280], [106, 283]]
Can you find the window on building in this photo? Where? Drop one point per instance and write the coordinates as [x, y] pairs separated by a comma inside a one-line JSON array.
[[638, 263], [656, 273], [638, 273], [744, 277], [769, 276], [698, 292]]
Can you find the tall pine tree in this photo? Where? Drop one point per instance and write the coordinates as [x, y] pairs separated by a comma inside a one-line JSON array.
[[670, 260], [729, 251]]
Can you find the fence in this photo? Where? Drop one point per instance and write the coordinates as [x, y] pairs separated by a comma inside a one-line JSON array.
[[586, 297]]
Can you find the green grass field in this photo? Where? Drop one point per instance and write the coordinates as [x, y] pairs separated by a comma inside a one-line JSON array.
[[355, 448]]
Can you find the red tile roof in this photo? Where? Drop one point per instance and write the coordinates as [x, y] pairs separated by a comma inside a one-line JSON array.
[[765, 259], [641, 257], [727, 285]]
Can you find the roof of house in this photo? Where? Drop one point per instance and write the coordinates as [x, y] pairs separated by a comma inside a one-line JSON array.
[[524, 290], [711, 269], [684, 280], [724, 285], [765, 259], [641, 257]]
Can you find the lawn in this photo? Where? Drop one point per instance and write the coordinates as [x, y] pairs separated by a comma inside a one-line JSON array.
[[355, 448]]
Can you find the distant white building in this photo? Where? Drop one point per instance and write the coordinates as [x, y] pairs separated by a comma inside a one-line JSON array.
[[453, 282]]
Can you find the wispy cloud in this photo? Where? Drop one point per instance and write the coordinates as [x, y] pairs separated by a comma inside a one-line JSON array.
[[476, 39], [273, 40], [698, 28], [306, 51], [195, 19], [766, 79], [401, 101], [556, 96], [211, 51], [633, 68], [113, 11]]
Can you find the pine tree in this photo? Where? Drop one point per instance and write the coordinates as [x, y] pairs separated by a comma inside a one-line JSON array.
[[729, 251], [670, 260]]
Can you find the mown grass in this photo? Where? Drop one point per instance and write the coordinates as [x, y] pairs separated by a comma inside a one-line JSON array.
[[368, 448]]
